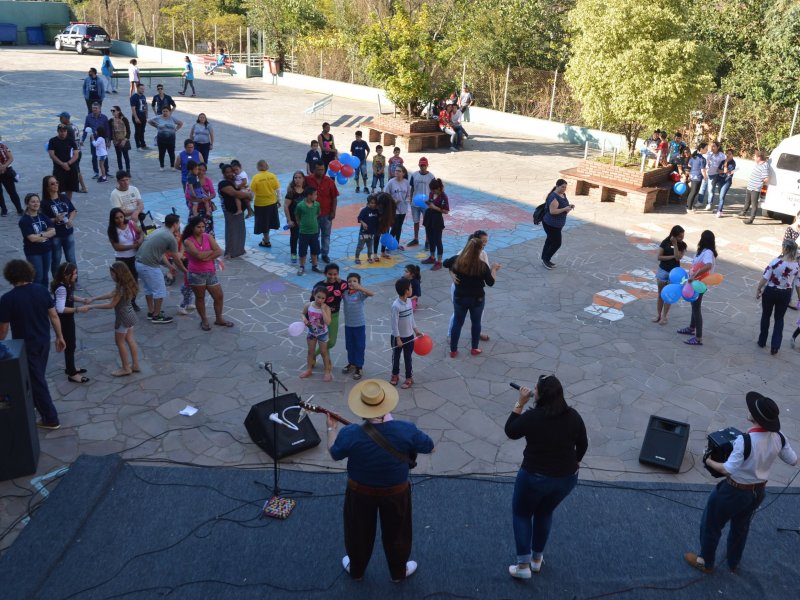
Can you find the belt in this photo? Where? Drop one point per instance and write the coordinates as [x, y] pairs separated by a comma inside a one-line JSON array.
[[746, 486], [377, 491]]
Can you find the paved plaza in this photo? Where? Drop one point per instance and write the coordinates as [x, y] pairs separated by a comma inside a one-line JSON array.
[[588, 321]]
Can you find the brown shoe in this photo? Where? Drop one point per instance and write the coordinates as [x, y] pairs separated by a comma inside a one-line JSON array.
[[695, 561]]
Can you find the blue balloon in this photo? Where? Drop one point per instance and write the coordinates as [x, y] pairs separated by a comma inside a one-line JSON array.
[[331, 174], [355, 162], [344, 158], [420, 201], [47, 146], [693, 298], [679, 188], [341, 179], [671, 293], [677, 275], [388, 241]]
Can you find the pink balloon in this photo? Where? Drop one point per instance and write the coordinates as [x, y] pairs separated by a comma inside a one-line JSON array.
[[296, 328], [688, 291]]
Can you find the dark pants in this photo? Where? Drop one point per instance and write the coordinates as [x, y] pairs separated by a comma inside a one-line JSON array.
[[694, 189], [697, 317], [377, 181], [535, 499], [462, 306], [68, 331], [7, 181], [552, 243], [95, 164], [355, 340], [38, 354], [397, 226], [327, 158], [188, 83], [138, 131], [294, 237], [777, 300], [361, 513], [751, 204], [407, 350], [122, 155], [204, 150], [433, 235], [166, 146], [726, 503]]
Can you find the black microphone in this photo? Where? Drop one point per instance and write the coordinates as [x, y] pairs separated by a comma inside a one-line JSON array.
[[516, 386]]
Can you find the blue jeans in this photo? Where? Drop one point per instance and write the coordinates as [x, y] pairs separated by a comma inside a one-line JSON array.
[[325, 224], [41, 264], [535, 499], [362, 170], [775, 300], [37, 352], [726, 503], [462, 306], [355, 340], [723, 192], [65, 246], [377, 181]]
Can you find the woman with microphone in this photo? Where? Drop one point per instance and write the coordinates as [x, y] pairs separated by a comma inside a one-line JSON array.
[[555, 443]]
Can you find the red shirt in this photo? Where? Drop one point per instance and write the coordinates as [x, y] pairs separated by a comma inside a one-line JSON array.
[[326, 193], [444, 119], [3, 154]]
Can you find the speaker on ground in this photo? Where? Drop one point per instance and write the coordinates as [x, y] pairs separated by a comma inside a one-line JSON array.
[[293, 437], [19, 441], [664, 443]]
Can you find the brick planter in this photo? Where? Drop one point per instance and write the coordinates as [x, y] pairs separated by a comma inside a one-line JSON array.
[[628, 176], [401, 126]]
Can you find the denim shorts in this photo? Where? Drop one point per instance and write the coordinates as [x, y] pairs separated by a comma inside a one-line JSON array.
[[322, 337], [207, 279], [152, 280], [416, 213], [662, 275]]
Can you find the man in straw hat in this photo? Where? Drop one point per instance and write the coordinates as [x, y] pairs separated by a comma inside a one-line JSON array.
[[737, 497], [377, 478]]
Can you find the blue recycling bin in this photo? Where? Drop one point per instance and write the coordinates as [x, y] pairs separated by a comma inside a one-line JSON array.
[[8, 33], [35, 36]]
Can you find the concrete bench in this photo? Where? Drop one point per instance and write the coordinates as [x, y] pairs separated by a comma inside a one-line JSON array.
[[642, 199]]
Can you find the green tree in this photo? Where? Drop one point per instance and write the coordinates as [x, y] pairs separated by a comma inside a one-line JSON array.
[[635, 65], [410, 54], [283, 20]]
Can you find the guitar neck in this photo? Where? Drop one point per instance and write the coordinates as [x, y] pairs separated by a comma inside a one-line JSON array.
[[324, 411]]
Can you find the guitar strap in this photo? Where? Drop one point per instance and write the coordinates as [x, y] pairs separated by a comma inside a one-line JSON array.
[[378, 438]]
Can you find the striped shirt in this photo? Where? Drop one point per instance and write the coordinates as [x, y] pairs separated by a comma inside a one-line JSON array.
[[402, 318], [757, 177]]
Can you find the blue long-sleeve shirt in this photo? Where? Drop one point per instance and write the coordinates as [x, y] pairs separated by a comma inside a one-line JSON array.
[[95, 122]]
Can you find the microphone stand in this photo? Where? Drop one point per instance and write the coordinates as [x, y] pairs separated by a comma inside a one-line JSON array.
[[275, 382]]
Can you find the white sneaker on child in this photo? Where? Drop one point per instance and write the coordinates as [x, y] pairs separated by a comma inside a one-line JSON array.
[[182, 311]]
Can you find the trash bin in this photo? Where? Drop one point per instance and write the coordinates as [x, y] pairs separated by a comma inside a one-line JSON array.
[[8, 33], [51, 30], [35, 36]]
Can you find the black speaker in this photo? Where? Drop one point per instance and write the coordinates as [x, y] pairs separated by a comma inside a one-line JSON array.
[[664, 443], [293, 437], [19, 441]]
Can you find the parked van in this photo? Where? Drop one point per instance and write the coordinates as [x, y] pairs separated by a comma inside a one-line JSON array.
[[783, 191]]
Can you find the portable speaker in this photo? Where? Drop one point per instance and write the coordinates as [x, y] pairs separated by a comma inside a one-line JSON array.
[[664, 443], [279, 416], [19, 441]]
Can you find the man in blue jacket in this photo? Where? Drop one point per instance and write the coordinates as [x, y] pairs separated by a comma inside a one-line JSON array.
[[94, 90], [95, 120]]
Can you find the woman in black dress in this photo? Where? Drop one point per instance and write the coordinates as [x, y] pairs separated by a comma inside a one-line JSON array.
[[235, 231], [326, 144]]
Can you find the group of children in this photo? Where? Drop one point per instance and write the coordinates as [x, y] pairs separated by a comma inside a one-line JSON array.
[[321, 318]]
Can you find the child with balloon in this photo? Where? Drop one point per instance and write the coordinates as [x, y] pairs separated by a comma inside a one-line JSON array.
[[702, 265], [670, 253]]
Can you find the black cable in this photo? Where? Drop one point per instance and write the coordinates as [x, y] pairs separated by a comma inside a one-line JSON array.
[[633, 588]]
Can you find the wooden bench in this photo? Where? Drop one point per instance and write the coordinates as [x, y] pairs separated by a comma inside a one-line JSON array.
[[643, 199], [320, 104], [209, 60], [409, 142], [150, 73]]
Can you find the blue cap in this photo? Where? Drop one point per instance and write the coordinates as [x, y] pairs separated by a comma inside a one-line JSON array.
[[64, 114]]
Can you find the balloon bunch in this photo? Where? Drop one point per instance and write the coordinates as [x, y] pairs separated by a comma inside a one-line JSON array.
[[420, 201], [680, 286], [343, 168]]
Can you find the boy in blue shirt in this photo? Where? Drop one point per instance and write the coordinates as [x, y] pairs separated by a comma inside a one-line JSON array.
[[355, 324], [312, 156], [368, 219], [360, 149]]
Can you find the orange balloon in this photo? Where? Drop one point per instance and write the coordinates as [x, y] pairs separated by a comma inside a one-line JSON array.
[[423, 345], [713, 279]]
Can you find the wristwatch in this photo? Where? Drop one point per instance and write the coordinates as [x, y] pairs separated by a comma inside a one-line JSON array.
[[518, 405]]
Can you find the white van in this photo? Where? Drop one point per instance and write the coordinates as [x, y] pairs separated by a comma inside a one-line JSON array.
[[783, 192]]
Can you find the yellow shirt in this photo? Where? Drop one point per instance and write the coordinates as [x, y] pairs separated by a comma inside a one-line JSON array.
[[264, 185]]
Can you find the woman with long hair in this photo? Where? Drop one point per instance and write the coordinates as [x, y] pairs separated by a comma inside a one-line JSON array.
[[400, 190], [202, 252], [120, 299], [472, 275], [703, 264], [386, 216], [57, 207], [63, 290], [121, 137], [37, 238], [202, 134], [670, 253], [433, 221], [294, 193], [125, 236], [775, 292], [555, 217], [556, 442]]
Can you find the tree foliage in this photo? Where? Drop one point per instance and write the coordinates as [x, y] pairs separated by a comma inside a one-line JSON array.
[[410, 55], [283, 20], [634, 65]]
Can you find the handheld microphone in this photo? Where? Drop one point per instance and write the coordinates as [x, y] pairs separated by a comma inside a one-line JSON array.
[[516, 386]]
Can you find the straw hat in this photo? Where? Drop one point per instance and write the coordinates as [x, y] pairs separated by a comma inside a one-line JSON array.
[[372, 398]]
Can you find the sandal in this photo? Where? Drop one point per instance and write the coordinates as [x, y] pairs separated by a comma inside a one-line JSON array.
[[224, 324], [686, 331], [394, 380], [369, 260], [77, 372], [301, 271], [205, 326], [264, 244], [484, 337], [81, 379], [407, 383], [358, 261], [693, 341]]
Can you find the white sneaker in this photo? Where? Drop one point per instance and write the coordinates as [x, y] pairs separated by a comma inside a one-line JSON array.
[[182, 311], [191, 307], [519, 573], [537, 566], [346, 563]]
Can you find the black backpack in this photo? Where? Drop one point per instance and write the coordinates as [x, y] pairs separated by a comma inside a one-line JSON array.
[[539, 212]]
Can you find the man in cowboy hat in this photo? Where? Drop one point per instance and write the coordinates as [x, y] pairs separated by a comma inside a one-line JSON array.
[[737, 497], [379, 453]]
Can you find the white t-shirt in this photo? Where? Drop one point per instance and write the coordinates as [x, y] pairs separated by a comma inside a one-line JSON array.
[[133, 74], [126, 200], [241, 178], [100, 147], [126, 238], [706, 257], [399, 191]]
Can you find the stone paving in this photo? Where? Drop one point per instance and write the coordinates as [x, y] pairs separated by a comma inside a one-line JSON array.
[[616, 371]]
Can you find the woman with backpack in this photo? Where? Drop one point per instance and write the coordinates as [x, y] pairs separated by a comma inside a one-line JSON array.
[[555, 217]]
